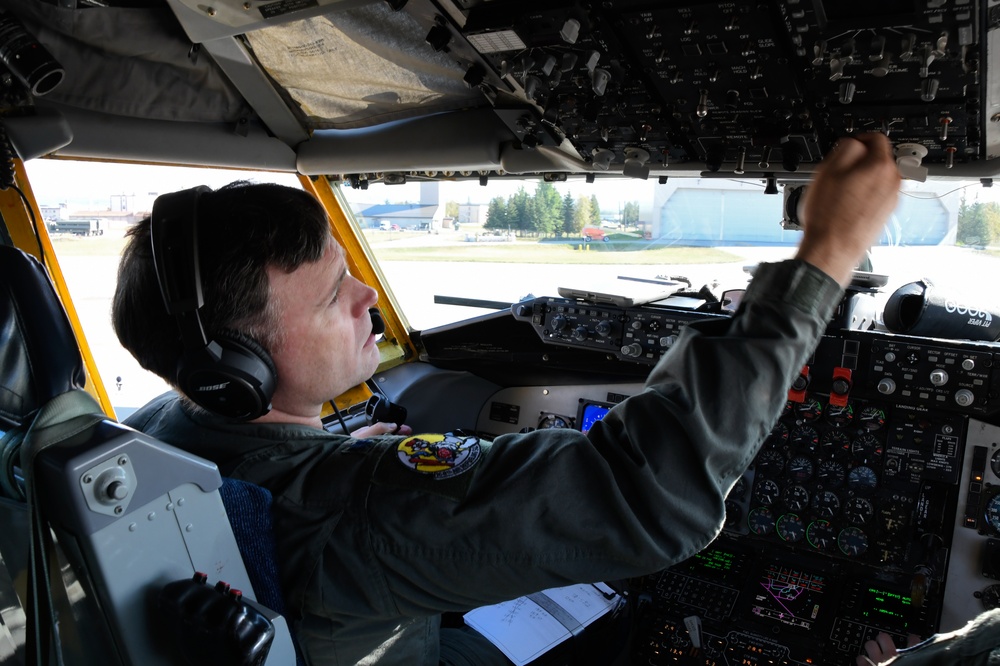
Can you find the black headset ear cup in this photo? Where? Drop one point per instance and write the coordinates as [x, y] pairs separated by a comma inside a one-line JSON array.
[[245, 343], [233, 376]]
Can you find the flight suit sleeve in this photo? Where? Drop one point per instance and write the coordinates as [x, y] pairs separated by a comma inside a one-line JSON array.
[[644, 489]]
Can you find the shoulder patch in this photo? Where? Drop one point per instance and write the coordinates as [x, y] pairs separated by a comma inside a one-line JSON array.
[[439, 456]]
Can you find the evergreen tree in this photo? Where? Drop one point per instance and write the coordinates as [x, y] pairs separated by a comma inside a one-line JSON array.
[[547, 209], [595, 211], [519, 211], [496, 214], [569, 216]]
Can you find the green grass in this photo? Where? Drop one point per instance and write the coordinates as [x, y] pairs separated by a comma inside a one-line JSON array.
[[548, 252], [622, 249]]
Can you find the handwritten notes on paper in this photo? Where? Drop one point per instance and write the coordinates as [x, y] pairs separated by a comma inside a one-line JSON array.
[[527, 627]]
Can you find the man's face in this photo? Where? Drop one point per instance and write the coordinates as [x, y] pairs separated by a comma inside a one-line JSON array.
[[327, 345]]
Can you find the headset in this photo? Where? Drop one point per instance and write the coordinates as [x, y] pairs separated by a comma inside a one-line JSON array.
[[229, 374], [232, 374]]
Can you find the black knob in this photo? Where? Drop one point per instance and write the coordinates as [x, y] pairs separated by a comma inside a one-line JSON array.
[[580, 333], [558, 323], [603, 328]]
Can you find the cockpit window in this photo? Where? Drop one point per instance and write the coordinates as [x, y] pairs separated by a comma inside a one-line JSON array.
[[455, 248], [87, 207]]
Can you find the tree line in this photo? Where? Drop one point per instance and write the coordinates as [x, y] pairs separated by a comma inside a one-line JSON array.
[[978, 223], [543, 213]]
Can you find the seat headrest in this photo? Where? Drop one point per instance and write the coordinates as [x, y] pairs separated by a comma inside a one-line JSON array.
[[39, 356]]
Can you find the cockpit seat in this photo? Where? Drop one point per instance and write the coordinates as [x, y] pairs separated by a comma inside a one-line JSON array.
[[108, 517]]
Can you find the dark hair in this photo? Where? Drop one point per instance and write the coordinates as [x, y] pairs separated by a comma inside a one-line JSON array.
[[243, 228]]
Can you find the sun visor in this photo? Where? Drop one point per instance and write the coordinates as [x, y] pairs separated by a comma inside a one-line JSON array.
[[365, 68]]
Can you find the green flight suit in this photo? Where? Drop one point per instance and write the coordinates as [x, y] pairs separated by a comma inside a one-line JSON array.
[[377, 537]]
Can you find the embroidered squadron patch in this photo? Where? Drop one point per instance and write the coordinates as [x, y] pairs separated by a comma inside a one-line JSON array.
[[440, 456]]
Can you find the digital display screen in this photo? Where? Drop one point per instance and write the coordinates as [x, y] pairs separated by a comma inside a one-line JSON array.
[[789, 597], [591, 413], [713, 564], [885, 609]]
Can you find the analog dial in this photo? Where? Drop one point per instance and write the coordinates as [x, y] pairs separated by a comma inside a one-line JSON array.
[[805, 437], [796, 498], [766, 492], [993, 512], [761, 521], [800, 469], [825, 504], [862, 479], [867, 449], [858, 511], [778, 435], [834, 443], [771, 462], [820, 535], [840, 416], [809, 410], [831, 473], [871, 418], [852, 541], [790, 527]]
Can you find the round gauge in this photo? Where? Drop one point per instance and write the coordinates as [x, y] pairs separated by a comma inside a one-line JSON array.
[[820, 535], [839, 416], [771, 462], [991, 597], [766, 492], [825, 504], [872, 418], [790, 527], [862, 479], [734, 514], [809, 410], [834, 443], [553, 421], [760, 521], [995, 462], [799, 469], [993, 512], [858, 511], [788, 409], [831, 473], [779, 434], [796, 498], [805, 437], [853, 541], [739, 489], [867, 448]]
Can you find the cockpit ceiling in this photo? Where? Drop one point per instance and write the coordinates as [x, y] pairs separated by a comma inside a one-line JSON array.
[[633, 86]]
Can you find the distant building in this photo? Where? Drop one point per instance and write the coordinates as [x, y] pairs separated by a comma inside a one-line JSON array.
[[428, 215], [115, 219], [472, 213], [52, 213]]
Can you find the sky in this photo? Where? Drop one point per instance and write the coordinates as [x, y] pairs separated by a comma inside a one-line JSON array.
[[91, 185]]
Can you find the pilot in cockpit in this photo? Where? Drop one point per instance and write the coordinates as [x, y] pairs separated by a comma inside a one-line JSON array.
[[379, 534]]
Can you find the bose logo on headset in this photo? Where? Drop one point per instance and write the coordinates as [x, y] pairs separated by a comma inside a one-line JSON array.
[[229, 374]]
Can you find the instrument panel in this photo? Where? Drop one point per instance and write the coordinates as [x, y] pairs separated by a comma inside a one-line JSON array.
[[742, 87], [873, 505]]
